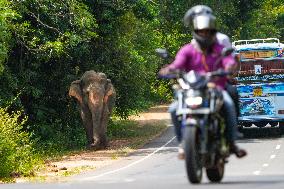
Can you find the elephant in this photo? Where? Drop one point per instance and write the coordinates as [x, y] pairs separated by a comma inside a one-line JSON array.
[[95, 96]]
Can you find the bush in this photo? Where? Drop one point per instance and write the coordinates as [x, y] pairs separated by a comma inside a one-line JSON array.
[[17, 156], [57, 139]]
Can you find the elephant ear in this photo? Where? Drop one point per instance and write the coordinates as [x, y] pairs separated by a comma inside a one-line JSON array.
[[110, 95], [109, 89], [75, 91], [102, 75]]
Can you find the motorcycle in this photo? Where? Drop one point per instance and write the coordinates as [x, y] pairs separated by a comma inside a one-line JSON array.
[[203, 128]]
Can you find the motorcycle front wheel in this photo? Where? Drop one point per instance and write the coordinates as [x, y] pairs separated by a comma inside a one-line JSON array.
[[216, 174], [192, 154]]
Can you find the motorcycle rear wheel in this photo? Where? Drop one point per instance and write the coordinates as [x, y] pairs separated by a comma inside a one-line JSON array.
[[216, 174], [192, 156]]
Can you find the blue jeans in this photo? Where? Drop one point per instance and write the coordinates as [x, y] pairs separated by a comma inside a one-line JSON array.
[[228, 109]]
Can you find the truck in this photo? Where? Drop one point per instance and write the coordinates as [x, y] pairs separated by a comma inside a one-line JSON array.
[[260, 82]]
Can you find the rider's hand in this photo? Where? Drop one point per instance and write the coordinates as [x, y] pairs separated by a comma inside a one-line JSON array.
[[232, 69], [164, 71], [232, 81]]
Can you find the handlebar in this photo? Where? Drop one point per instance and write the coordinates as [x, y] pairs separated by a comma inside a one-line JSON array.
[[179, 73], [219, 73], [168, 76], [173, 74]]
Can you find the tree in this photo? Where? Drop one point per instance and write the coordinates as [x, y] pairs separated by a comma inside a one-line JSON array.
[[50, 48], [268, 20]]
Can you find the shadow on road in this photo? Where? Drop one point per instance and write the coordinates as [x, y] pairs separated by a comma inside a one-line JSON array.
[[259, 180], [254, 182], [271, 181], [261, 133]]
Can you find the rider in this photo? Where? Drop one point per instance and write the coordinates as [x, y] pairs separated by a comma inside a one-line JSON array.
[[200, 55], [221, 38]]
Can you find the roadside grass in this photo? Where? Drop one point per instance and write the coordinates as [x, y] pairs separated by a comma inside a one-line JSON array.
[[75, 170], [136, 134]]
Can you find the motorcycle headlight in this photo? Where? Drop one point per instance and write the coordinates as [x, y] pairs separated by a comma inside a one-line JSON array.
[[193, 101]]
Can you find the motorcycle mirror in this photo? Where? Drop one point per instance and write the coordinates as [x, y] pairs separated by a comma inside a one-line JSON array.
[[227, 51], [163, 53]]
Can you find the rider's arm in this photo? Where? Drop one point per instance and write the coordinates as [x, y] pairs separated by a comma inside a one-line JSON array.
[[229, 63], [223, 39], [181, 60]]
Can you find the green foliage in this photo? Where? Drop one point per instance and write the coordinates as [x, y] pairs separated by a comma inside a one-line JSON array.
[[16, 149], [127, 54], [267, 21], [6, 15], [52, 42], [63, 139], [163, 91]]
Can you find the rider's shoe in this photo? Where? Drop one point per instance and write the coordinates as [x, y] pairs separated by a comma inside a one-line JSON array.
[[237, 151], [181, 154], [240, 135]]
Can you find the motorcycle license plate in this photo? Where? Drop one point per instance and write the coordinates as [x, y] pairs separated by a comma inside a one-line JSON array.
[[257, 91]]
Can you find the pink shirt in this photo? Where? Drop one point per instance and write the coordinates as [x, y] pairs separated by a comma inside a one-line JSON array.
[[189, 57]]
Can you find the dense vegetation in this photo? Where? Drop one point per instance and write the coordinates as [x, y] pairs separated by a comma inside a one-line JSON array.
[[47, 44], [17, 151]]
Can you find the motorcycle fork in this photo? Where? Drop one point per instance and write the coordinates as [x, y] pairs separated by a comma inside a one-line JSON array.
[[184, 116], [204, 135], [201, 125]]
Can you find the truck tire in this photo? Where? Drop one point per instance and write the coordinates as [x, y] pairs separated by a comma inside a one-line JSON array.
[[273, 124], [261, 124], [246, 124], [281, 127]]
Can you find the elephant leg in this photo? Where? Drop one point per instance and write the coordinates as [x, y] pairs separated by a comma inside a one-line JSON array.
[[87, 123], [86, 116], [106, 112], [103, 126]]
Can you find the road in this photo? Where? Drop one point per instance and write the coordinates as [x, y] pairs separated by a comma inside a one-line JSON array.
[[156, 166]]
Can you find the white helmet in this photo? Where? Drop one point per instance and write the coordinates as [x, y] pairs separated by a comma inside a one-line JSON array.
[[195, 11], [204, 22]]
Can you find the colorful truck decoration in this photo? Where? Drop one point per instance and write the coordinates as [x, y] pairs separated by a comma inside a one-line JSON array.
[[260, 81]]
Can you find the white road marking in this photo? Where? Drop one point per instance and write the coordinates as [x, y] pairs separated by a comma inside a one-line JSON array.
[[129, 180], [131, 164], [278, 146], [272, 156], [265, 165]]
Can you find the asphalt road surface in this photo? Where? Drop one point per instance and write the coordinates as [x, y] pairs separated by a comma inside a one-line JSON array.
[[156, 166]]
